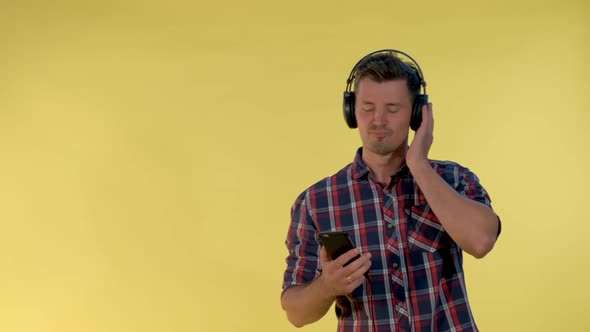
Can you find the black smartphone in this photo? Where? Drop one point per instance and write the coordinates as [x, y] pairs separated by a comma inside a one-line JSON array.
[[336, 244]]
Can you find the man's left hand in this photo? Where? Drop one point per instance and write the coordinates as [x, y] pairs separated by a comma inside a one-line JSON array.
[[418, 151]]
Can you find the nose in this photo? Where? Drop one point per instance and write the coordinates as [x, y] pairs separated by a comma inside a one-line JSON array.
[[379, 116]]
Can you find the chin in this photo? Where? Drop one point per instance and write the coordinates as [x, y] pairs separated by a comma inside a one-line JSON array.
[[384, 150], [381, 150]]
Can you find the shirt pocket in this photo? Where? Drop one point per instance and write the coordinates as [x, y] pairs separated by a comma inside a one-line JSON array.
[[424, 230]]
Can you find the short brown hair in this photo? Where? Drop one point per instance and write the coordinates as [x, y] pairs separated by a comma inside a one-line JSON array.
[[383, 67]]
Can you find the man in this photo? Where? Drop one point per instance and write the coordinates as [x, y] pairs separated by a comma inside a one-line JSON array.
[[409, 217]]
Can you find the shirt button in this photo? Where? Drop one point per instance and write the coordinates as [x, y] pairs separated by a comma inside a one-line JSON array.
[[395, 265], [390, 225]]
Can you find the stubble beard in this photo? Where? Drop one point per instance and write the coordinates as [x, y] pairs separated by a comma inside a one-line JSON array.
[[384, 148]]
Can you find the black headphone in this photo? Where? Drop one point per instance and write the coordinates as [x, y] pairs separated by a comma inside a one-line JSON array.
[[419, 101]]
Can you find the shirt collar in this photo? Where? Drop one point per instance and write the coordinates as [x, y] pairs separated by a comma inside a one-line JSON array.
[[360, 170]]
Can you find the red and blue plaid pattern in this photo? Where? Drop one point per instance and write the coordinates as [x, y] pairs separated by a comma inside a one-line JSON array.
[[418, 282]]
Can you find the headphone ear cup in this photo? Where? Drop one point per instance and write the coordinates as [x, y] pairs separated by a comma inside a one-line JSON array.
[[416, 118], [348, 109]]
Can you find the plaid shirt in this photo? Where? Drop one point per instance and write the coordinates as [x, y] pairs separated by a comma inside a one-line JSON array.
[[417, 273]]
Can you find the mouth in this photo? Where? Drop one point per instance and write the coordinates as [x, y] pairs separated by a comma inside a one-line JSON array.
[[380, 133]]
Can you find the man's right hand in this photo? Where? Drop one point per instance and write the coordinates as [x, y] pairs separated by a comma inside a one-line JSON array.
[[337, 279], [306, 304]]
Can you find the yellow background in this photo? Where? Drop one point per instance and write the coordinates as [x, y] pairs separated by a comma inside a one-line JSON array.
[[151, 151]]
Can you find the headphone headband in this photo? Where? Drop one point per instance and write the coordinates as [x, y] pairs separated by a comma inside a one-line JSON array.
[[350, 79]]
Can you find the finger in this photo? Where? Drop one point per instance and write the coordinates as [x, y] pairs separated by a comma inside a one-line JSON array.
[[424, 122], [427, 120], [430, 122], [357, 264], [357, 278], [324, 255], [344, 258], [431, 116], [361, 269], [327, 264], [355, 284], [425, 112], [358, 267]]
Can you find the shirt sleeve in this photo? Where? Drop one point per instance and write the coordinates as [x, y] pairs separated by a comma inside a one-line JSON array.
[[468, 185], [303, 263]]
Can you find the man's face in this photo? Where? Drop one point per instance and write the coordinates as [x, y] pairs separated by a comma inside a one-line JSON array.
[[383, 112]]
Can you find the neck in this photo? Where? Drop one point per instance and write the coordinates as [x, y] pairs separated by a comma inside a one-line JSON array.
[[384, 166]]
